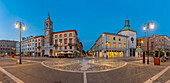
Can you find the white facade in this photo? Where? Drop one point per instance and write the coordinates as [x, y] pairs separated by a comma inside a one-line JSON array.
[[28, 46], [132, 36]]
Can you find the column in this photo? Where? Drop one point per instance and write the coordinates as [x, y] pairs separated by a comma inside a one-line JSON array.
[[111, 52]]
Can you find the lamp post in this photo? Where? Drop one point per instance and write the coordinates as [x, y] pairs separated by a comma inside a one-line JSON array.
[[149, 25], [21, 26]]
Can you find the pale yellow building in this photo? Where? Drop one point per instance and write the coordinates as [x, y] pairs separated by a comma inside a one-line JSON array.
[[110, 45]]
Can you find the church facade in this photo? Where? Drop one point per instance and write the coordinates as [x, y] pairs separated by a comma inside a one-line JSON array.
[[128, 31]]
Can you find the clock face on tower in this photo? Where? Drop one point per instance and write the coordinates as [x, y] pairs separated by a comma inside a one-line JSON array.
[[46, 33]]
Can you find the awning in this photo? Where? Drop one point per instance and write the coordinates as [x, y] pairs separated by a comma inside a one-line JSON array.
[[61, 52], [69, 52]]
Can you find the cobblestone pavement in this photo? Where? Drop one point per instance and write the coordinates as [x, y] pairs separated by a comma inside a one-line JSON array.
[[75, 65], [128, 74], [31, 71], [5, 79]]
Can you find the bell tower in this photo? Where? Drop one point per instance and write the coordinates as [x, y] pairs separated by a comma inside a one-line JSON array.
[[48, 31]]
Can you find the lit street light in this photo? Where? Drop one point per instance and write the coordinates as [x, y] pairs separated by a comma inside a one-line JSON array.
[[149, 25], [21, 26]]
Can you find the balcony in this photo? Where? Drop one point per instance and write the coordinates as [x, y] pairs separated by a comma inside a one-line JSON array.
[[72, 44]]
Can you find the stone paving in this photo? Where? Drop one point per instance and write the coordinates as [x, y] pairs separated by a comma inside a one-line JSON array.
[[84, 65], [5, 79]]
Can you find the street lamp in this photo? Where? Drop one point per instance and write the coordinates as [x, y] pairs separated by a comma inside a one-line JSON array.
[[21, 26], [149, 25]]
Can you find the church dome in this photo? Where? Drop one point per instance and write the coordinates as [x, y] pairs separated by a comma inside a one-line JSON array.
[[127, 26]]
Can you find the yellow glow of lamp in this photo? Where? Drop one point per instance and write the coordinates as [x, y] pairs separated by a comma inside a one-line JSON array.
[[142, 42], [144, 28], [152, 26], [23, 27], [16, 25]]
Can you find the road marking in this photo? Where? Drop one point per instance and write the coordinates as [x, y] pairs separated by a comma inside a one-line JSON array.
[[157, 75], [11, 76], [85, 78], [167, 81]]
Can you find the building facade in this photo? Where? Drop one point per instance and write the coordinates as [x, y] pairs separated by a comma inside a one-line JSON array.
[[27, 46], [156, 42], [7, 47], [110, 45], [57, 44], [53, 44], [128, 31]]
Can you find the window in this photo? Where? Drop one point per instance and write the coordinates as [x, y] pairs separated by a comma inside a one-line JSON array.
[[60, 35], [114, 38], [46, 25], [56, 42], [119, 39], [70, 34], [114, 44], [119, 45], [60, 41], [38, 39], [70, 40], [50, 26], [56, 36], [70, 47], [65, 35], [65, 41], [124, 45], [124, 39], [108, 37], [65, 47]]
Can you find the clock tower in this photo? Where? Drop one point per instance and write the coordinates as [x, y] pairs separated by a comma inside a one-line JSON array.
[[48, 28]]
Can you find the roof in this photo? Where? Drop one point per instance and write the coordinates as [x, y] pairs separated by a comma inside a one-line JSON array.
[[127, 27], [39, 36], [138, 49], [109, 34], [66, 31]]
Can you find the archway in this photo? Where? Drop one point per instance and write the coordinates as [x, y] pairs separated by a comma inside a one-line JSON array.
[[51, 52]]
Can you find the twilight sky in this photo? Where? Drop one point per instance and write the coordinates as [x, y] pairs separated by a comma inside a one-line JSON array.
[[89, 17]]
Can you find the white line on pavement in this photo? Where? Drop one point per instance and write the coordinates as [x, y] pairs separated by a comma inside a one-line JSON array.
[[85, 78], [157, 75], [167, 81], [11, 76]]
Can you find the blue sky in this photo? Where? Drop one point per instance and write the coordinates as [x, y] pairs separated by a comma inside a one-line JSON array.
[[89, 17]]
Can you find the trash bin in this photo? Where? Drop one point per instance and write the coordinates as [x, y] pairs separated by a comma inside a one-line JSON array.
[[156, 61]]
